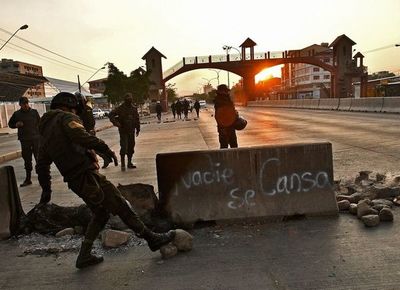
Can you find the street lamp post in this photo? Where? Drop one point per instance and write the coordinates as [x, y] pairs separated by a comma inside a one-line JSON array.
[[217, 72], [21, 28], [209, 80], [228, 48], [103, 67]]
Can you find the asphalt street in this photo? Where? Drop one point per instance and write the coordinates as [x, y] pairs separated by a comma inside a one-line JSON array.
[[312, 253]]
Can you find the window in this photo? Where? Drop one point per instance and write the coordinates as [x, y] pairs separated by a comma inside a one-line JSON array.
[[315, 69], [326, 59], [316, 77], [327, 77]]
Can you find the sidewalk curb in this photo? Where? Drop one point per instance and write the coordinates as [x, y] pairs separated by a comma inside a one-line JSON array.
[[17, 154]]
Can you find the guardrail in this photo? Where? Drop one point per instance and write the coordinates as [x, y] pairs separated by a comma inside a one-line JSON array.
[[376, 104]]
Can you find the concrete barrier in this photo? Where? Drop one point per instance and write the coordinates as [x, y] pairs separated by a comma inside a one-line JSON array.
[[367, 104], [345, 104], [310, 103], [292, 103], [391, 105], [10, 204], [267, 181], [328, 104]]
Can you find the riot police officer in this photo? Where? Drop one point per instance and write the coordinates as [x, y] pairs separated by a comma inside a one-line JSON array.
[[65, 142], [126, 118]]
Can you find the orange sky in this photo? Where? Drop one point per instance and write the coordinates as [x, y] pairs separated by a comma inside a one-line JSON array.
[[94, 32]]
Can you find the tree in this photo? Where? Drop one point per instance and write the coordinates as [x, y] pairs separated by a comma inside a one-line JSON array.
[[118, 84], [171, 92], [115, 84]]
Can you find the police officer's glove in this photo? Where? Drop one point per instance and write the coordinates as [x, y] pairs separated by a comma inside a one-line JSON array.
[[45, 197], [110, 154]]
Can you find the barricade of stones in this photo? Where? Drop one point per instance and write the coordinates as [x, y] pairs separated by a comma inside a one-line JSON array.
[[54, 229], [370, 196]]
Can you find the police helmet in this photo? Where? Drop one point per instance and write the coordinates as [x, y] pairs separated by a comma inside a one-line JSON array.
[[64, 99]]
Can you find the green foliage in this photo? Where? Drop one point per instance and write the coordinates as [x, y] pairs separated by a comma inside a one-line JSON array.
[[118, 84], [171, 93]]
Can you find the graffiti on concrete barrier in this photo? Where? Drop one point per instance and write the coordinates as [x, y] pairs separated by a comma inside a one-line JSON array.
[[269, 182]]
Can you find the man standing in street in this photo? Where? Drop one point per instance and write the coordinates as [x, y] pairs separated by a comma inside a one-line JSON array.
[[126, 118], [65, 142], [196, 106], [26, 120], [225, 115], [158, 111]]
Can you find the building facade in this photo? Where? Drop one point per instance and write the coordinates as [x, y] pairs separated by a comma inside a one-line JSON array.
[[18, 67], [97, 86], [302, 80]]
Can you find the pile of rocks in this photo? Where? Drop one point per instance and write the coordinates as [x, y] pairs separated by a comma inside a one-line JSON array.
[[370, 196]]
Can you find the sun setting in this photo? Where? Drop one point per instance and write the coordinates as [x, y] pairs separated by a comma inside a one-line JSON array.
[[269, 73]]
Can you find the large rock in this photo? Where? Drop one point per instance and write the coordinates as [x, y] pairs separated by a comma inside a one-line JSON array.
[[114, 239], [168, 251], [382, 201], [382, 191], [355, 197], [362, 175], [141, 197], [364, 208], [343, 205], [371, 220], [51, 218], [386, 215], [353, 208], [380, 177], [183, 240]]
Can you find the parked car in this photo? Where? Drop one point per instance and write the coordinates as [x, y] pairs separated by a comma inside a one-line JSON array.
[[106, 112], [98, 113], [203, 103]]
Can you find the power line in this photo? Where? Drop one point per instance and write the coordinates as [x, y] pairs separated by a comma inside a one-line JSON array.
[[45, 58], [380, 48], [48, 50]]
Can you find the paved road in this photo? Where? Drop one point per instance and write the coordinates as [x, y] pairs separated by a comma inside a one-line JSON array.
[[319, 253]]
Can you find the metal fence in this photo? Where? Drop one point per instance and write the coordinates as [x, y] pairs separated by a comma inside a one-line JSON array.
[[6, 111]]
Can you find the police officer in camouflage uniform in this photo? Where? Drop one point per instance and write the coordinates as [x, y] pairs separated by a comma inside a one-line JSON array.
[[89, 122], [65, 142], [26, 120], [126, 118]]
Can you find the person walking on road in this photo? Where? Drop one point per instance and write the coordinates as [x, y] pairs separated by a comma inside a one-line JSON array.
[[186, 106], [65, 142], [173, 109], [225, 115], [158, 111], [196, 106], [179, 108], [26, 120], [126, 118]]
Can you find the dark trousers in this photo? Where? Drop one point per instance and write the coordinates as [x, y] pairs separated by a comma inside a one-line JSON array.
[[227, 137], [29, 147], [197, 112], [127, 143], [103, 198]]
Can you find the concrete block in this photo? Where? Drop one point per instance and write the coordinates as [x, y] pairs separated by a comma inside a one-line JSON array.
[[114, 239], [266, 181]]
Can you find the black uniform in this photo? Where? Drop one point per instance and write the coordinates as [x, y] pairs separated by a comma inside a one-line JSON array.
[[66, 143], [158, 111], [226, 133], [196, 106], [126, 118], [173, 109], [28, 134]]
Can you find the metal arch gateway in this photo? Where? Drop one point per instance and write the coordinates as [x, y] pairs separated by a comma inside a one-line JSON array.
[[343, 69]]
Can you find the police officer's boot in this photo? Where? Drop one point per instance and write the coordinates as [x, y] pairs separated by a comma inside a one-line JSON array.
[[130, 164], [27, 180], [155, 240], [123, 162], [85, 257]]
